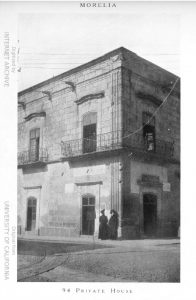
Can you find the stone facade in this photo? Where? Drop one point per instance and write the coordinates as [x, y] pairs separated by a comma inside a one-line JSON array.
[[108, 98]]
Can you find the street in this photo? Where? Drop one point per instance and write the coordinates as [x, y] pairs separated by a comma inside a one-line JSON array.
[[98, 261]]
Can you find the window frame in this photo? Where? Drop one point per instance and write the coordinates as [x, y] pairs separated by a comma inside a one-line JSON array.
[[34, 154]]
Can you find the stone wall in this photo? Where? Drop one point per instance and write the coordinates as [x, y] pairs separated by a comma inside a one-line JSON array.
[[59, 188], [164, 182], [118, 89], [64, 111], [145, 86]]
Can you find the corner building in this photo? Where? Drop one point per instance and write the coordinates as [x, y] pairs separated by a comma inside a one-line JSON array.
[[100, 136]]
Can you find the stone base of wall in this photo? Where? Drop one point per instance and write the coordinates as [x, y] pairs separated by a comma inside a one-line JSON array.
[[58, 231], [130, 232], [168, 229], [50, 231]]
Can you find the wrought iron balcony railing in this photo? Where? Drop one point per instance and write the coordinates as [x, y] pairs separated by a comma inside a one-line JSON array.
[[101, 142], [137, 142], [32, 156], [114, 140]]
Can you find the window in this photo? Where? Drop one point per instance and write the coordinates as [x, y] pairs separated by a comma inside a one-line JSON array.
[[90, 132], [34, 144], [149, 131]]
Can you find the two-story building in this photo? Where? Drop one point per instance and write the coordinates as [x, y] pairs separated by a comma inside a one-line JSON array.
[[106, 135]]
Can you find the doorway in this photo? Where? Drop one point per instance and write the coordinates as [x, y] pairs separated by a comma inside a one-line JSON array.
[[88, 215], [149, 137], [31, 213], [150, 214]]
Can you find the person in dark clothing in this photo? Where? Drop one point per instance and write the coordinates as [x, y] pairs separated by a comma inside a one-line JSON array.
[[103, 226], [113, 225]]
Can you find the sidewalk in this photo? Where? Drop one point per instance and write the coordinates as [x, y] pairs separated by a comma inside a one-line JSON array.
[[91, 240]]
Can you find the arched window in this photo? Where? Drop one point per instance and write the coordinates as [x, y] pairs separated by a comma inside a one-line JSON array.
[[89, 132]]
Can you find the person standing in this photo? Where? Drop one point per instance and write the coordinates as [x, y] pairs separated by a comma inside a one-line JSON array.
[[103, 226], [113, 225]]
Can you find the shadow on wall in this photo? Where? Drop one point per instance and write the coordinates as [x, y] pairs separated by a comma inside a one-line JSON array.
[[33, 170], [90, 162], [130, 220]]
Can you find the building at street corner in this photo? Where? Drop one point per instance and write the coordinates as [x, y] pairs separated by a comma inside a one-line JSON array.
[[104, 135]]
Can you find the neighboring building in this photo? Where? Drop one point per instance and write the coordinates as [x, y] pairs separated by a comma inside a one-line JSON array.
[[98, 136]]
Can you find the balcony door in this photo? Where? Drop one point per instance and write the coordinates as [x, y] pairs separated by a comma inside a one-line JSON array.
[[34, 144], [90, 132], [149, 131], [149, 137]]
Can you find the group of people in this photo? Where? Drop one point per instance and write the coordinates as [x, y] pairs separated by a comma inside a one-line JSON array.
[[108, 229]]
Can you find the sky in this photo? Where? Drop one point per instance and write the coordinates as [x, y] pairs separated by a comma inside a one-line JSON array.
[[52, 43]]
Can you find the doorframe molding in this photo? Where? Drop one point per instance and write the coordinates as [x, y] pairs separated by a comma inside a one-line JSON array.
[[87, 183], [157, 191], [38, 197]]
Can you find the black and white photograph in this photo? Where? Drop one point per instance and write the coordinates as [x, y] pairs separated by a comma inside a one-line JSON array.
[[98, 148], [98, 145]]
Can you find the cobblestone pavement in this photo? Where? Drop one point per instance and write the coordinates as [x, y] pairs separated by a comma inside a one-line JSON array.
[[140, 261], [63, 274], [25, 261], [39, 267], [146, 265]]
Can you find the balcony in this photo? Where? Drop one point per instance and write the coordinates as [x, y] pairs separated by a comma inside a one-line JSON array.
[[137, 143], [113, 141], [101, 142], [33, 158]]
